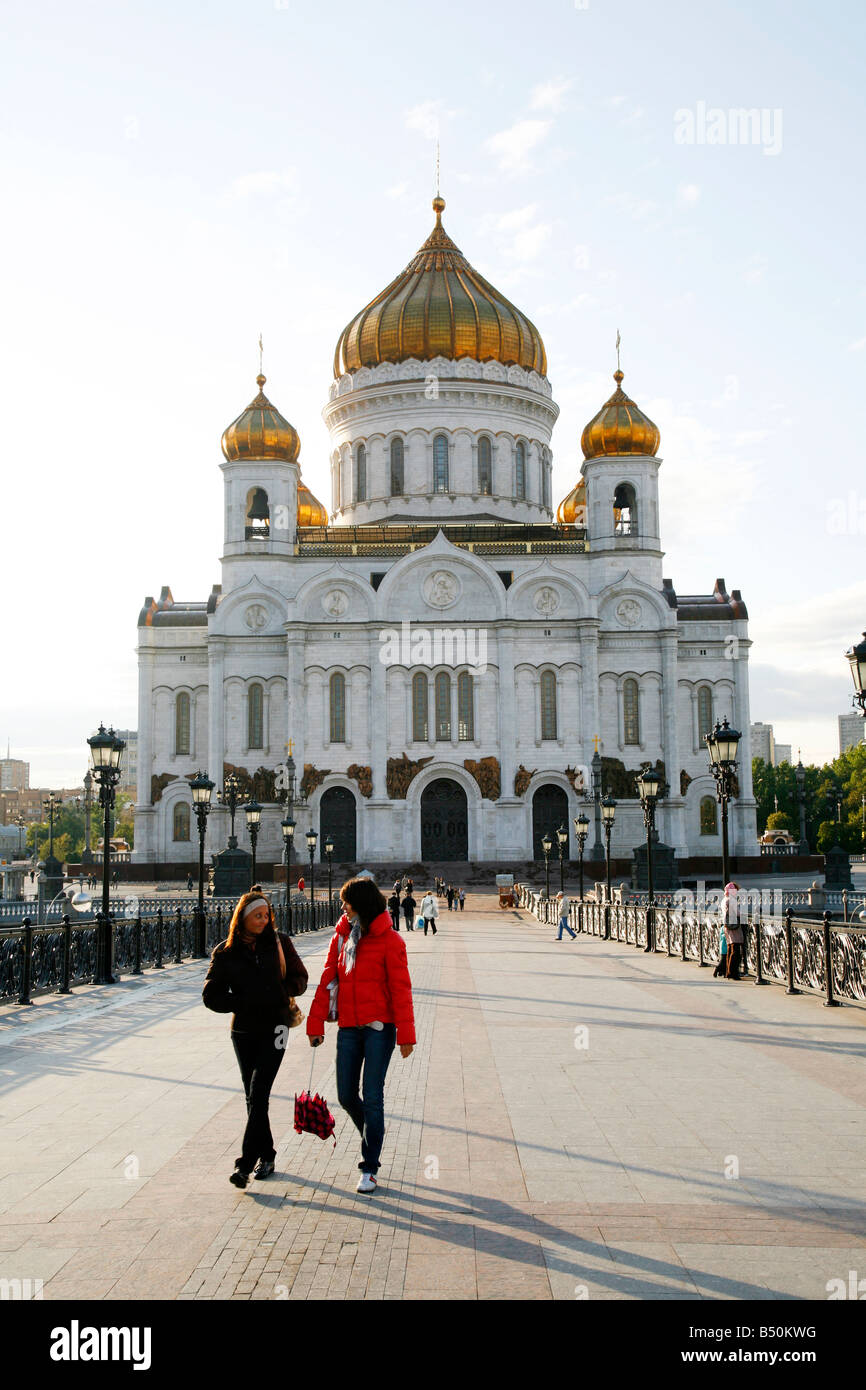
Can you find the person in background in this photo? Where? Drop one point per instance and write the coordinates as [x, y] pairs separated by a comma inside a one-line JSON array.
[[429, 911], [374, 1013], [564, 903], [721, 969], [253, 975], [462, 896], [394, 909], [449, 893], [733, 930], [409, 911]]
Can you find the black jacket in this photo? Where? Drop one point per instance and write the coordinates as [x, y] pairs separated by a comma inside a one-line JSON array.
[[246, 983]]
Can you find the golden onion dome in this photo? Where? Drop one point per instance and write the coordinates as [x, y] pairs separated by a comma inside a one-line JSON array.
[[572, 509], [439, 307], [260, 432], [619, 428], [310, 510]]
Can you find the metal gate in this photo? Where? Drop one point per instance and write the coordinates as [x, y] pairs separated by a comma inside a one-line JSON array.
[[549, 812], [444, 822], [338, 818]]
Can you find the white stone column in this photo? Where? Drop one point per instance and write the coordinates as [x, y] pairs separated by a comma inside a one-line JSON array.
[[744, 840], [145, 725], [378, 716], [676, 831], [296, 708], [507, 710], [216, 727]]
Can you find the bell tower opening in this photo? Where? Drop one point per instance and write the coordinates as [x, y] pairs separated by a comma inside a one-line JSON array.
[[258, 516], [624, 510]]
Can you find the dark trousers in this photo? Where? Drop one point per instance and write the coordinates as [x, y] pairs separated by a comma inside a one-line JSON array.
[[735, 955], [259, 1060], [363, 1098], [395, 920], [429, 922], [409, 919], [721, 968]]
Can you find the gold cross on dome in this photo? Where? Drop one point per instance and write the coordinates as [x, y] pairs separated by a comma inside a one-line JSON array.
[[596, 741], [291, 746]]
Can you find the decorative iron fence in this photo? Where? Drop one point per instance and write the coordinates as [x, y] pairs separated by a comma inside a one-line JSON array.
[[39, 960], [777, 949]]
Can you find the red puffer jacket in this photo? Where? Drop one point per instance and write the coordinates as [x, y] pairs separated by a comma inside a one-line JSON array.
[[379, 987]]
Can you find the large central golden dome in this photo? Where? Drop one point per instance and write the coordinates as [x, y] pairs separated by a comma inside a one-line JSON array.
[[439, 307]]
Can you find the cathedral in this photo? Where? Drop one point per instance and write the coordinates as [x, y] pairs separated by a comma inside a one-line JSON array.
[[439, 653]]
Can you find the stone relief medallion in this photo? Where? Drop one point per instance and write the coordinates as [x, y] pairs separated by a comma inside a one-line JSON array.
[[629, 612], [441, 589], [256, 617], [547, 601], [335, 603]]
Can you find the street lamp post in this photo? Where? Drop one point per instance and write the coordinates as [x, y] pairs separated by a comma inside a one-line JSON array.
[[253, 813], [329, 854], [648, 783], [232, 799], [581, 830], [800, 775], [21, 823], [608, 815], [202, 791], [722, 746], [312, 837], [857, 661], [547, 846], [87, 856], [561, 841], [288, 829], [594, 800], [106, 750]]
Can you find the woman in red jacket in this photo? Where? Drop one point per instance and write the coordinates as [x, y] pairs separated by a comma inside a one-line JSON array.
[[367, 966]]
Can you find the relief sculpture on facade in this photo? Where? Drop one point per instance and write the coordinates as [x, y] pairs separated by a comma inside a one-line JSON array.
[[399, 774], [363, 776], [313, 777], [522, 779], [486, 774], [158, 784]]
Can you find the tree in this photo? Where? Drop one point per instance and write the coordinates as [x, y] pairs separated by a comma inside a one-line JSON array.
[[779, 821]]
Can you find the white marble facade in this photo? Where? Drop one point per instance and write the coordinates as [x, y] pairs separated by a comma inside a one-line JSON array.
[[567, 646]]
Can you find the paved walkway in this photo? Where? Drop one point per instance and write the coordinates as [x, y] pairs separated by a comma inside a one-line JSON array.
[[578, 1120]]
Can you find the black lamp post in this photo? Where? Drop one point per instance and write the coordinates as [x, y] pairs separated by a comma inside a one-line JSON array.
[[562, 842], [834, 801], [51, 806], [547, 846], [202, 791], [608, 815], [312, 837], [581, 830], [87, 856], [232, 798], [800, 776], [594, 800], [857, 660], [106, 750], [288, 828], [21, 823], [648, 783], [722, 746], [253, 813], [329, 854]]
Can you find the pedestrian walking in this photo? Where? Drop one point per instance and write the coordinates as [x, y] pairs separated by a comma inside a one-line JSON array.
[[429, 911], [255, 975], [722, 967], [564, 903], [189, 883], [450, 896], [733, 930], [462, 896], [394, 909], [367, 966], [409, 912]]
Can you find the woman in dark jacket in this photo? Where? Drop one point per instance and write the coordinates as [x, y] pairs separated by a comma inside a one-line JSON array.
[[253, 975], [367, 965]]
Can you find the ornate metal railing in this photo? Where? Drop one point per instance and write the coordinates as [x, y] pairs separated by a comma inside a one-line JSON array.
[[38, 960], [779, 949]]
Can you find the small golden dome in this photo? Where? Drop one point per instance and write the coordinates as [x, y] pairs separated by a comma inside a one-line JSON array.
[[439, 307], [572, 509], [310, 510], [260, 432], [619, 428]]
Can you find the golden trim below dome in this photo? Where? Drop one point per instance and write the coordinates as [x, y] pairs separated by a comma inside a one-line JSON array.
[[620, 427]]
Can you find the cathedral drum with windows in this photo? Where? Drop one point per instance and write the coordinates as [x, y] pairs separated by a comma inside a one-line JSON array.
[[442, 654]]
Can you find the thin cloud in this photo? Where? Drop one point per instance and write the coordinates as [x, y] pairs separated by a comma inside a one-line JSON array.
[[550, 95], [512, 147], [427, 117]]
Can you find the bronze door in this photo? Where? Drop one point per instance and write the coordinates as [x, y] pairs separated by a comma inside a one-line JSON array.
[[444, 822]]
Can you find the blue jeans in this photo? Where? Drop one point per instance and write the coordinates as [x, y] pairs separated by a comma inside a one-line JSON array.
[[371, 1049], [563, 926]]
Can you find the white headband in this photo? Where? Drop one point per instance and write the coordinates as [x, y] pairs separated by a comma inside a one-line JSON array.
[[251, 906]]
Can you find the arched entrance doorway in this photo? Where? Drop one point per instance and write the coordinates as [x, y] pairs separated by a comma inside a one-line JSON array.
[[444, 822], [338, 818], [549, 812]]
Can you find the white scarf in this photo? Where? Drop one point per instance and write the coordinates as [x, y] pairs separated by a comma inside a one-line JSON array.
[[351, 945]]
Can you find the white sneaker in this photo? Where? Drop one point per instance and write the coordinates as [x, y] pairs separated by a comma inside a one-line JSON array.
[[366, 1183]]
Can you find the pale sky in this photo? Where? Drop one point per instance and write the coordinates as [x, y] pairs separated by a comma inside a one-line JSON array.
[[180, 178]]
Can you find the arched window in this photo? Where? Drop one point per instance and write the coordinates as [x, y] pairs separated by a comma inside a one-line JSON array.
[[180, 822], [705, 712], [258, 521], [255, 717], [709, 824], [520, 481], [465, 711], [443, 706], [440, 463], [338, 707], [624, 510], [630, 712], [396, 468], [181, 724], [485, 467], [548, 704], [361, 473], [420, 707]]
